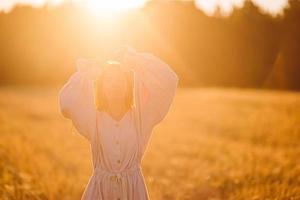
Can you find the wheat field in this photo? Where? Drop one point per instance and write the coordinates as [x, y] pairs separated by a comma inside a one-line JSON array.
[[214, 144]]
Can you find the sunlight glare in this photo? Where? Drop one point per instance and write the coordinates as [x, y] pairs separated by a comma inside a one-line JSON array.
[[111, 7]]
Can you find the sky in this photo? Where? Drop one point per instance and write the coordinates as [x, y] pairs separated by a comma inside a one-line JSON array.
[[208, 6], [271, 6]]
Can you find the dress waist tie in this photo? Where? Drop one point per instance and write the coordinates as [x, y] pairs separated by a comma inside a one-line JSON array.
[[119, 177]]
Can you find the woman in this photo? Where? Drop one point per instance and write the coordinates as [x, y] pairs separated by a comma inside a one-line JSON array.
[[115, 107]]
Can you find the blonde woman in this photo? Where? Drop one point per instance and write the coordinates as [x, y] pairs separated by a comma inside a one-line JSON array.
[[115, 106]]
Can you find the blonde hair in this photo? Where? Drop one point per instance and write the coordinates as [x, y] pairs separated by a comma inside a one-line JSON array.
[[100, 99]]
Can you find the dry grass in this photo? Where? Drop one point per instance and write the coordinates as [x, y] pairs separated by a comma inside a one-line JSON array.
[[214, 144]]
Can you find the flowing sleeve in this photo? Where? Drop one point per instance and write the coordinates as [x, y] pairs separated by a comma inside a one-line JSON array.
[[76, 99], [157, 84]]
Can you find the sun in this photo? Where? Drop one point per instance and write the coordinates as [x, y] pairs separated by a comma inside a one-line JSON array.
[[112, 7]]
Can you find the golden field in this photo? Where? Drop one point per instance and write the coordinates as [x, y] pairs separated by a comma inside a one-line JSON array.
[[214, 144]]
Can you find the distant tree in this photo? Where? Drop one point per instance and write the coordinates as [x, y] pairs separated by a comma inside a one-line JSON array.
[[290, 44], [245, 49]]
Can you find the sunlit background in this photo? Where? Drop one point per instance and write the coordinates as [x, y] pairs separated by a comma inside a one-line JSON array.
[[256, 41], [233, 131], [209, 6]]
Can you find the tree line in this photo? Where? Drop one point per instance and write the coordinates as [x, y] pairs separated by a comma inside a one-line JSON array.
[[248, 48]]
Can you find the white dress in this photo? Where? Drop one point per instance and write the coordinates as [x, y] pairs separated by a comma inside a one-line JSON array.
[[118, 146]]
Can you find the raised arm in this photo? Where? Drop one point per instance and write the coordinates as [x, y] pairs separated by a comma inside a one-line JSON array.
[[157, 85], [76, 98]]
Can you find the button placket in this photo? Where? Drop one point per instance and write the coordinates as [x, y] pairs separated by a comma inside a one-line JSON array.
[[117, 142]]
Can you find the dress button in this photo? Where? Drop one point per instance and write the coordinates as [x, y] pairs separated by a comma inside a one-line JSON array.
[[119, 161], [113, 178]]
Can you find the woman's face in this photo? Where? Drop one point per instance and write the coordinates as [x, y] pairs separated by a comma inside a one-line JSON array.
[[115, 85]]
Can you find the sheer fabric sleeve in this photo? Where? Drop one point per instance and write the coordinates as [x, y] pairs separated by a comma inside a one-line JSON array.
[[157, 85], [76, 99]]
